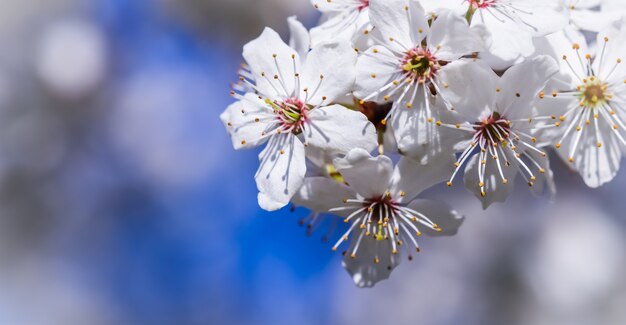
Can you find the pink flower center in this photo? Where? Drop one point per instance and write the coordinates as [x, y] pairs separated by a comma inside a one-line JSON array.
[[493, 129], [479, 4], [420, 64], [364, 4], [292, 114]]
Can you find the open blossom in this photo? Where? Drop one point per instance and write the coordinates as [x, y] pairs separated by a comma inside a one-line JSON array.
[[499, 121], [403, 67], [590, 97], [381, 207], [342, 19], [289, 110]]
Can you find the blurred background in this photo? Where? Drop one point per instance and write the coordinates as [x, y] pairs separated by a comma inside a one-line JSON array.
[[123, 202]]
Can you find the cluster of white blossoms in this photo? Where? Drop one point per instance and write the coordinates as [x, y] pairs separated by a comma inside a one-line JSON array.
[[386, 98]]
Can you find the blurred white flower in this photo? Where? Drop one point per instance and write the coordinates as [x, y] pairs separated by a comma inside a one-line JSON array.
[[341, 19], [72, 58]]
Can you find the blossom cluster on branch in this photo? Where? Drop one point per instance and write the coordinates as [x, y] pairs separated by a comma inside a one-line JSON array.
[[386, 98]]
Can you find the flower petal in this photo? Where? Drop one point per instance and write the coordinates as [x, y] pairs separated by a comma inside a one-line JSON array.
[[451, 37], [470, 87], [281, 172], [299, 39], [321, 194], [520, 86], [597, 166], [367, 175], [495, 189], [609, 67], [328, 73], [404, 21], [337, 129], [412, 177], [375, 68], [362, 269], [441, 214], [268, 55], [246, 120]]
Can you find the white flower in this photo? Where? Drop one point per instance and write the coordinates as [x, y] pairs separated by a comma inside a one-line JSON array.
[[590, 97], [497, 117], [513, 24], [289, 110], [381, 206], [405, 65], [341, 19]]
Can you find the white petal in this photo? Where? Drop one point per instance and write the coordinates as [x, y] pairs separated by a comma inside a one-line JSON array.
[[406, 27], [594, 21], [375, 69], [541, 17], [544, 182], [450, 37], [469, 86], [606, 67], [240, 119], [259, 54], [334, 27], [434, 6], [280, 175], [560, 45], [423, 140], [367, 175], [321, 194], [329, 72], [520, 86], [337, 129], [412, 177], [509, 40], [362, 269], [439, 213], [495, 189], [597, 166], [299, 39]]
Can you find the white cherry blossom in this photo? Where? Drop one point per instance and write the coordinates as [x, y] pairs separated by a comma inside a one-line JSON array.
[[403, 67], [498, 120], [590, 97], [289, 110], [381, 207], [592, 15]]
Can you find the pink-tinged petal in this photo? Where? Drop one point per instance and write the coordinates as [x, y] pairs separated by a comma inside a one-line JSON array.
[[367, 175], [328, 73], [272, 63], [411, 178], [246, 120], [321, 194], [521, 84], [362, 268], [337, 130], [281, 172], [451, 37], [448, 220]]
